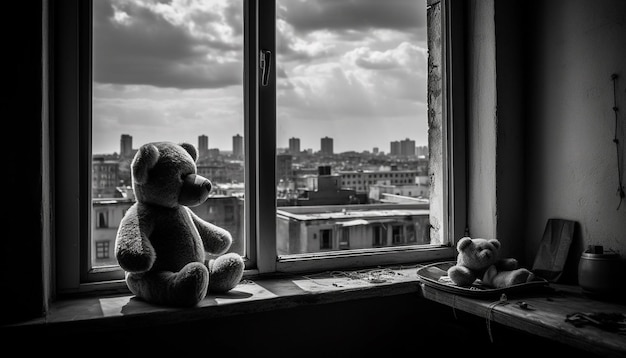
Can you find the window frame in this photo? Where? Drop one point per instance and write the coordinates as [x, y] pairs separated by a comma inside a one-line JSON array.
[[452, 212], [70, 97]]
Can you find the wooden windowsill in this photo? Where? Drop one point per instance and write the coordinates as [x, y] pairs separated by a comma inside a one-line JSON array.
[[263, 294], [545, 318], [544, 314]]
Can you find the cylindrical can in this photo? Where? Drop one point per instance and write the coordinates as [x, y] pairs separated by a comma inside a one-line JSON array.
[[600, 273]]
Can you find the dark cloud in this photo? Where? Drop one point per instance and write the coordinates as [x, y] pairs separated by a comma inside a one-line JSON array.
[[405, 56], [375, 65], [280, 72], [346, 15], [234, 16], [344, 21], [287, 50], [147, 49]]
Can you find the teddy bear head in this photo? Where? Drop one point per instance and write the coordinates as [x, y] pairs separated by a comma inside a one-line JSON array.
[[165, 174], [477, 253]]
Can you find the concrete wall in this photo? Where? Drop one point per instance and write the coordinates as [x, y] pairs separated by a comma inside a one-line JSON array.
[[541, 123], [510, 165], [571, 160], [482, 119]]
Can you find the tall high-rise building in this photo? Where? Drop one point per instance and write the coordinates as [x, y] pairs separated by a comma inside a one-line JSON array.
[[404, 147], [203, 146], [294, 145], [422, 151], [284, 170], [394, 148], [327, 145], [238, 146], [407, 147], [126, 146]]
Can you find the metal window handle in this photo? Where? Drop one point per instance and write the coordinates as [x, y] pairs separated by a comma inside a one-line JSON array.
[[265, 62]]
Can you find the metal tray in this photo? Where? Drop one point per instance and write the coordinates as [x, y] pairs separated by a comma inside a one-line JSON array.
[[436, 275]]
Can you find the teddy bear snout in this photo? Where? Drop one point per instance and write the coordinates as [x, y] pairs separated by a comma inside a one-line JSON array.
[[195, 190], [201, 181]]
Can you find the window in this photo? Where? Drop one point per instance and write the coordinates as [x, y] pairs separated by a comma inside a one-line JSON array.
[[396, 234], [379, 232], [259, 69], [410, 233], [102, 220], [350, 82], [326, 239], [158, 73], [344, 243], [102, 249]]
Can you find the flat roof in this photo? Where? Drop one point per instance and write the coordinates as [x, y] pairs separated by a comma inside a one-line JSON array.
[[351, 214]]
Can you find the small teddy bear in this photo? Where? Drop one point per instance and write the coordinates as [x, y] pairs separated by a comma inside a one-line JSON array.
[[161, 243], [479, 259]]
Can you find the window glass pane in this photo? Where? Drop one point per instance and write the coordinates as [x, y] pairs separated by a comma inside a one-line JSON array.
[[352, 127], [166, 71]]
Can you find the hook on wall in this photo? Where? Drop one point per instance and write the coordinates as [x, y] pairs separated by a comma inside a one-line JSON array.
[[620, 190]]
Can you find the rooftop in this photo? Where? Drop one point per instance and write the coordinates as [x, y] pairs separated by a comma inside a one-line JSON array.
[[352, 212]]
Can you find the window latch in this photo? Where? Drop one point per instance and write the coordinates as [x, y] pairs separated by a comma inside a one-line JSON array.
[[265, 62]]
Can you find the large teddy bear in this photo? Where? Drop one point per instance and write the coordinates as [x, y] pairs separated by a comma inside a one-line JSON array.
[[161, 243], [480, 259]]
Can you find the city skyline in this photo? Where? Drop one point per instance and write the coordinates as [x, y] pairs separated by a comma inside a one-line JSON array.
[[170, 71], [203, 141]]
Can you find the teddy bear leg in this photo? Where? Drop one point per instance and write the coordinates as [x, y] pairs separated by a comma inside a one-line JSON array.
[[493, 277], [184, 288], [461, 275], [508, 278], [225, 272], [521, 275]]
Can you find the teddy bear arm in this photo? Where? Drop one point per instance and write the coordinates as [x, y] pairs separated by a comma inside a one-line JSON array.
[[216, 240], [507, 264], [133, 249], [461, 275]]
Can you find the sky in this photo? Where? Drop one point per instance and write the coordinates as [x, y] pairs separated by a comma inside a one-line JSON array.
[[173, 70]]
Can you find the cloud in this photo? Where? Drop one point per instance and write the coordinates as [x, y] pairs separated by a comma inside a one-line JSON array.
[[292, 46], [359, 96], [363, 82], [311, 30], [336, 15], [151, 114], [174, 69], [399, 72], [168, 45], [405, 56]]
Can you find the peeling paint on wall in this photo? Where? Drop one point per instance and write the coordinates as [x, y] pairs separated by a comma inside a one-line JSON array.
[[435, 124]]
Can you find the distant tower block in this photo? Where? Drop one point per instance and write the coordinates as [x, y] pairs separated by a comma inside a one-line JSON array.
[[327, 145], [126, 146], [203, 146], [238, 146]]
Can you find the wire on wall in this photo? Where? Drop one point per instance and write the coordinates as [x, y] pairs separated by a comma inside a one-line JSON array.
[[620, 189]]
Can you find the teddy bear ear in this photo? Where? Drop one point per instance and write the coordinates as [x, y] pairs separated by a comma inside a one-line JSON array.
[[495, 243], [464, 243], [146, 158], [191, 149]]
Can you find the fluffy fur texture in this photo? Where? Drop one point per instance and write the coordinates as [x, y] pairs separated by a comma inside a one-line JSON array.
[[479, 259], [161, 243]]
